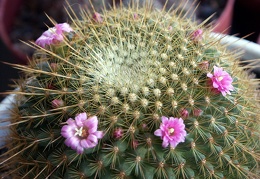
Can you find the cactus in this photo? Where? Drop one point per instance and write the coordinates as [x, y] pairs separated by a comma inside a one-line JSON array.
[[133, 93]]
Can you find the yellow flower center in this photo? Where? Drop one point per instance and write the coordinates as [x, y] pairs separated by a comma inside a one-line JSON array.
[[220, 78], [171, 131], [81, 132], [52, 30]]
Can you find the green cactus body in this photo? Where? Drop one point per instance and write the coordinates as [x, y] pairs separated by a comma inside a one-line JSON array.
[[129, 70]]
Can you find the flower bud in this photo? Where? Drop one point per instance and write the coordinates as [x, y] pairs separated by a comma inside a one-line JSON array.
[[204, 65], [97, 17], [57, 103], [197, 35], [184, 113], [197, 112], [118, 133]]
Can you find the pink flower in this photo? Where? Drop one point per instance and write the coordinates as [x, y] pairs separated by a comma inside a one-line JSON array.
[[197, 35], [53, 35], [172, 131], [221, 80], [81, 133], [56, 103]]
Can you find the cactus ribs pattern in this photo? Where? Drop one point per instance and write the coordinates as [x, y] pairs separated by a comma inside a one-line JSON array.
[[131, 69]]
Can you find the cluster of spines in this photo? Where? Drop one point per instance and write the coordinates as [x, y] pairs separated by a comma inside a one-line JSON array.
[[216, 139]]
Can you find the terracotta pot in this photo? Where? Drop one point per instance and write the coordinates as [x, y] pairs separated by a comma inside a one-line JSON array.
[[224, 23], [8, 12]]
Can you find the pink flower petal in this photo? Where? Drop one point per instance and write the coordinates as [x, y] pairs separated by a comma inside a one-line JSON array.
[[68, 131], [70, 121], [53, 35], [165, 142], [164, 119], [72, 142], [99, 134], [92, 138], [75, 142], [68, 142], [209, 75], [79, 149], [65, 27], [215, 85], [158, 132], [85, 143], [91, 124], [173, 143], [80, 118]]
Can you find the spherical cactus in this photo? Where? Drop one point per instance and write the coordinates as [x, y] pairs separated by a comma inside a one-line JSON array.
[[133, 93]]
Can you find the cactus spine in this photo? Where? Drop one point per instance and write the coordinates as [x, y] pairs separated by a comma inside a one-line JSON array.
[[129, 67]]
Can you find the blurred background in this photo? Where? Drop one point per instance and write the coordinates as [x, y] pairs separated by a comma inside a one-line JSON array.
[[26, 20]]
